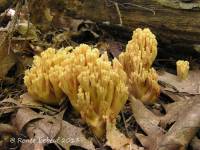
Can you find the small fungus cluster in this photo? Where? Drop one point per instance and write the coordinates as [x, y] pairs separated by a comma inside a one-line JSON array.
[[182, 68], [140, 53], [41, 80]]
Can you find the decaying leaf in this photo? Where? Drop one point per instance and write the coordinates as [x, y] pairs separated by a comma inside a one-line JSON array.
[[8, 105], [72, 135], [195, 144], [115, 139], [26, 99], [183, 130], [112, 47], [118, 141], [174, 110], [31, 146], [6, 131], [27, 29], [24, 116], [147, 141], [145, 118], [46, 129], [191, 85], [7, 58], [6, 128]]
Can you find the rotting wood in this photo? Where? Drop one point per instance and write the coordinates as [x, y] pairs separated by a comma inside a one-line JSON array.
[[177, 29]]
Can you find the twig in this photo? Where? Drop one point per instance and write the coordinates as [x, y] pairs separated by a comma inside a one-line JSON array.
[[127, 120], [119, 13], [139, 6], [13, 23], [126, 5], [126, 127], [28, 9]]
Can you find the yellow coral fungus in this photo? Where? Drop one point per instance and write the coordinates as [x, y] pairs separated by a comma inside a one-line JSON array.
[[140, 53], [143, 44], [96, 88], [42, 79], [182, 69]]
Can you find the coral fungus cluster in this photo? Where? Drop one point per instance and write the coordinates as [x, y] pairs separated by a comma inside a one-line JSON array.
[[96, 87], [140, 53], [41, 80], [182, 68]]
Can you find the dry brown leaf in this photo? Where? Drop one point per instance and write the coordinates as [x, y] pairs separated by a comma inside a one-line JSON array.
[[8, 105], [7, 58], [175, 109], [183, 130], [115, 48], [173, 95], [112, 47], [72, 135], [118, 141], [11, 101], [47, 129], [195, 144], [6, 128], [26, 99], [191, 85], [24, 116], [145, 118], [31, 146], [146, 141], [186, 115], [44, 130]]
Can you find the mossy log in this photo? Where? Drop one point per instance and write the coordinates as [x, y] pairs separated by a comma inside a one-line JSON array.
[[175, 22]]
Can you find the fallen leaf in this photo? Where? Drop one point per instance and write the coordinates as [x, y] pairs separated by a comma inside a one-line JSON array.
[[115, 139], [24, 116], [191, 85], [11, 101], [27, 29], [46, 129], [112, 47], [115, 48], [175, 96], [8, 105], [183, 130], [6, 128], [145, 118], [26, 99], [174, 110], [146, 141], [31, 146], [72, 135], [7, 59], [195, 144]]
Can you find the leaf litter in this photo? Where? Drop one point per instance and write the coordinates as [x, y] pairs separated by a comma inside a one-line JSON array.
[[175, 129]]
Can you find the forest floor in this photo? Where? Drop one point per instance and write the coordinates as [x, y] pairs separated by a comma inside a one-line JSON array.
[[172, 123]]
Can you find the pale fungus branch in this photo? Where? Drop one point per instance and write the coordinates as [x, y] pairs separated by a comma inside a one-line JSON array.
[[144, 45], [182, 69], [140, 53], [96, 88], [42, 79]]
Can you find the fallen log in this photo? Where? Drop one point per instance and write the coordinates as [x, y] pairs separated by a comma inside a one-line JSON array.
[[176, 23]]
